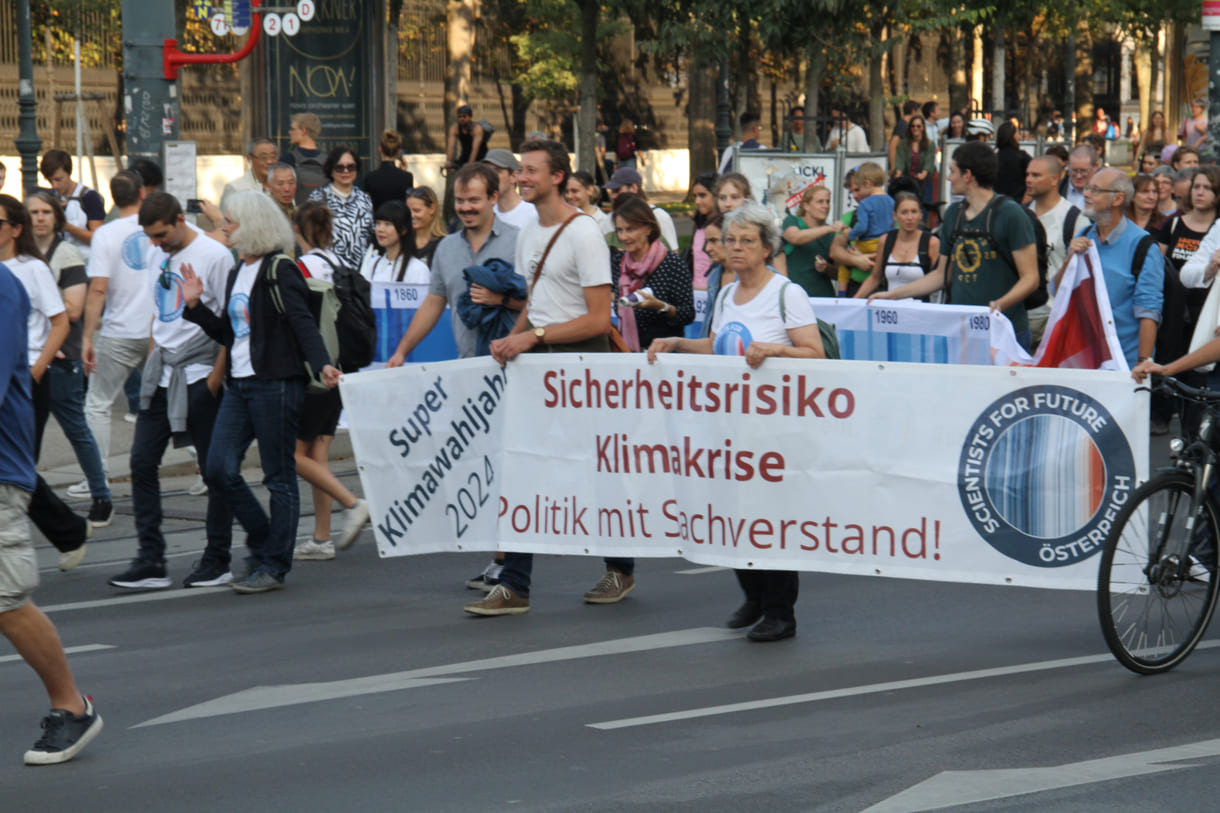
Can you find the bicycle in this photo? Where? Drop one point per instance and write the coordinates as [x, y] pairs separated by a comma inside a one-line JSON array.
[[1157, 580]]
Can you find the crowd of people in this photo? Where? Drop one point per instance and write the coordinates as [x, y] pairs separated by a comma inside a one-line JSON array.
[[213, 329]]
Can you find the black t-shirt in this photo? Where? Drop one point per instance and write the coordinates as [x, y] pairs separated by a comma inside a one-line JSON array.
[[1183, 242], [387, 183]]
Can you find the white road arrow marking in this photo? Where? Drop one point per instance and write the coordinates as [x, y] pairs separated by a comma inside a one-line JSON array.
[[953, 788], [268, 697], [856, 691]]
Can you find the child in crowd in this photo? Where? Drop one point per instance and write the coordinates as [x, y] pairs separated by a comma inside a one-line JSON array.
[[874, 214]]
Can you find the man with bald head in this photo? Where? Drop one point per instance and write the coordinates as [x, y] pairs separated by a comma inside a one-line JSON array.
[[1060, 220], [1136, 295]]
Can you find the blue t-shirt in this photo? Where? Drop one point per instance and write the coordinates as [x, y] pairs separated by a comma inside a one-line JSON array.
[[16, 401], [874, 217]]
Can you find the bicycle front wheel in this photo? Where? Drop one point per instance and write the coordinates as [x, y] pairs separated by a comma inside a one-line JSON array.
[[1156, 587]]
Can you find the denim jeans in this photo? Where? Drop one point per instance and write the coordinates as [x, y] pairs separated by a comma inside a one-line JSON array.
[[518, 567], [148, 447], [67, 382], [267, 411]]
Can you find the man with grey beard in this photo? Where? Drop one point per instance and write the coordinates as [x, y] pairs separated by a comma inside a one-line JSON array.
[[1131, 263]]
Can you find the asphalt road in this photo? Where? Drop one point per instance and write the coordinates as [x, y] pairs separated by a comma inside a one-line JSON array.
[[363, 686]]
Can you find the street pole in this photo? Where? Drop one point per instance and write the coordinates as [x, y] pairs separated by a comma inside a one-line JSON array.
[[724, 127], [28, 143], [150, 100]]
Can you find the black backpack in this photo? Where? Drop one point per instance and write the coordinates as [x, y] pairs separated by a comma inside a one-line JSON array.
[[1041, 295], [356, 323], [1173, 338], [309, 174]]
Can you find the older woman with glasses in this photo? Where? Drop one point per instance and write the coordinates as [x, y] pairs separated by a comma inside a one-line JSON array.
[[351, 208], [749, 319]]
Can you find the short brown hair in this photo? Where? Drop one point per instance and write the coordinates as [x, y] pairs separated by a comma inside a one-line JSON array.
[[478, 171], [53, 161], [556, 155]]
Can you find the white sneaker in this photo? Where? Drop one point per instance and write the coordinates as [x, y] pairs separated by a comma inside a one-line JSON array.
[[358, 515], [198, 488], [81, 489], [72, 558], [314, 551], [130, 417]]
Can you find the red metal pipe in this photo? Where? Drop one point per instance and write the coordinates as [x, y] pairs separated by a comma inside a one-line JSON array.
[[172, 58]]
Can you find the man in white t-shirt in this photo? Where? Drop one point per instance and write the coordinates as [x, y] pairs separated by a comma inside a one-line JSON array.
[[846, 134], [568, 310], [180, 393], [627, 181], [510, 207], [118, 272], [84, 208]]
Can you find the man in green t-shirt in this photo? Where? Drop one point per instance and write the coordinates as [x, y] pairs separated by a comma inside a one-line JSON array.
[[996, 267]]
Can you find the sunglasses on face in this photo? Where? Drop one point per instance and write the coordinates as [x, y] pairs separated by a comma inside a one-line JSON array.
[[345, 167]]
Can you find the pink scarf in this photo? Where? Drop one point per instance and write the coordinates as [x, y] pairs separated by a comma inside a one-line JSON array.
[[631, 278]]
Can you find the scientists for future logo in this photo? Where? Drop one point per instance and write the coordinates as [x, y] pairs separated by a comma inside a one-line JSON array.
[[1043, 473]]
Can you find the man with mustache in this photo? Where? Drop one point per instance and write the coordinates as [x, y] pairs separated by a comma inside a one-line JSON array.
[[483, 237]]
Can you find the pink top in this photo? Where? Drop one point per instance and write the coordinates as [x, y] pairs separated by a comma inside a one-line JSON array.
[[702, 263]]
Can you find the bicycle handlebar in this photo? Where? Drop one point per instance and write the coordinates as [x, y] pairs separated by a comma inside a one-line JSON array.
[[1173, 386]]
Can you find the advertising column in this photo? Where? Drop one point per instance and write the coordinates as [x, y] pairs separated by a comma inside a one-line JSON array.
[[334, 67]]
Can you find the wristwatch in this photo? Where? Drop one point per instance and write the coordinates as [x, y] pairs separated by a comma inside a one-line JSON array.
[[540, 334]]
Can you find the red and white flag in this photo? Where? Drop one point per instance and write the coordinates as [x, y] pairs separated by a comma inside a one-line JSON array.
[[1080, 332]]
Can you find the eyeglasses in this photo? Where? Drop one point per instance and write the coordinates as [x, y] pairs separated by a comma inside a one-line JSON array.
[[743, 242], [418, 192], [345, 167], [166, 279], [6, 223], [1096, 190], [1085, 171]]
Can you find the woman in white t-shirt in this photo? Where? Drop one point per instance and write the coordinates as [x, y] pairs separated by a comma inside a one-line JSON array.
[[66, 373], [389, 258], [581, 191], [272, 341], [749, 319], [47, 325], [320, 411]]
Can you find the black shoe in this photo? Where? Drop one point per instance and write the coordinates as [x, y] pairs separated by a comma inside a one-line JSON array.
[[745, 615], [143, 576], [101, 512], [208, 574], [64, 735], [772, 629]]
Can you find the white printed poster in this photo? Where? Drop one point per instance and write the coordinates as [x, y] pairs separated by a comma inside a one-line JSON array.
[[939, 472]]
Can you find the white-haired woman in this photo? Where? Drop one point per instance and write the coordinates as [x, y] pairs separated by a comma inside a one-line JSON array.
[[271, 337], [749, 320]]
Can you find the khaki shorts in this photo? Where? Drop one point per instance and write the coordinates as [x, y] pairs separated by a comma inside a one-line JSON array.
[[18, 567]]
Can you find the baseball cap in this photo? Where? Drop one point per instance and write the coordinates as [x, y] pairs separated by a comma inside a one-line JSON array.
[[624, 176], [504, 159]]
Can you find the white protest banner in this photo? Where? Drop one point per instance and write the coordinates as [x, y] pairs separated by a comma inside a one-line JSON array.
[[941, 472], [910, 330], [427, 440]]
